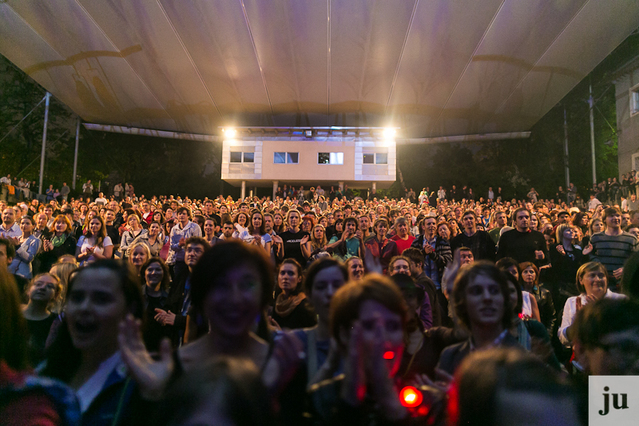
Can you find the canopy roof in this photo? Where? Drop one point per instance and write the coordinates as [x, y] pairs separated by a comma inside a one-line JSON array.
[[432, 67]]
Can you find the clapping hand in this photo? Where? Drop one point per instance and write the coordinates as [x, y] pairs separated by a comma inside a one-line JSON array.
[[151, 376]]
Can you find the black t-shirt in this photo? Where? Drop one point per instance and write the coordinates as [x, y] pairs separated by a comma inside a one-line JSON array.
[[292, 247], [38, 333]]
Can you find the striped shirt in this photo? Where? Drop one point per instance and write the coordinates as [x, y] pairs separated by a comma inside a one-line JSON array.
[[613, 250]]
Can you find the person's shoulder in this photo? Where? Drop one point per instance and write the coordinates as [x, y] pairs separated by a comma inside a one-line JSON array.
[[451, 351], [629, 236], [612, 295]]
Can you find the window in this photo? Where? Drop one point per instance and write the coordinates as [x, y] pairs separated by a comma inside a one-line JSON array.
[[286, 157], [330, 158], [279, 157], [634, 100], [376, 158], [242, 157], [292, 157]]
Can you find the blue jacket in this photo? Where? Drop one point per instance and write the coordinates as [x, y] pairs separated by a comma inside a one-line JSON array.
[[25, 254]]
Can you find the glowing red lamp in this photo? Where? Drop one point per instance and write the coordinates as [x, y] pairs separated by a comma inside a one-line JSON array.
[[410, 397]]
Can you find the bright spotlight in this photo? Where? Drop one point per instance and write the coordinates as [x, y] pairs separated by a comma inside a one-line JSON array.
[[229, 132], [389, 133]]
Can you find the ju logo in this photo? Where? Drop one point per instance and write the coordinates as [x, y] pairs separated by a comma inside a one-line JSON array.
[[615, 404], [613, 400]]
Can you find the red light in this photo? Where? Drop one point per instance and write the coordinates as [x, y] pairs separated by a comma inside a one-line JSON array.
[[389, 355], [410, 397]]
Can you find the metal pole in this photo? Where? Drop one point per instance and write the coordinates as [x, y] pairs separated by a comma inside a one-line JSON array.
[[75, 154], [591, 102], [44, 139], [566, 162]]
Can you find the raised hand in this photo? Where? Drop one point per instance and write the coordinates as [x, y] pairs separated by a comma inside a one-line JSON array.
[[286, 358], [354, 387], [372, 263], [273, 324], [152, 376], [378, 375]]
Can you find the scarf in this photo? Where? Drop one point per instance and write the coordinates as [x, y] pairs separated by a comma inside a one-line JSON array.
[[285, 305], [58, 241]]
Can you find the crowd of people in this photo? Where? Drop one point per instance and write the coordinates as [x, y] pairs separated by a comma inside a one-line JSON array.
[[318, 309]]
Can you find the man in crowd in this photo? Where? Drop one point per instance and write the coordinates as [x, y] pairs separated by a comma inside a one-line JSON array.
[[87, 189], [436, 251], [430, 312], [227, 230], [147, 214], [479, 242], [465, 256], [350, 243], [613, 246], [179, 300], [65, 191], [181, 232], [9, 228], [522, 243], [365, 226], [501, 219]]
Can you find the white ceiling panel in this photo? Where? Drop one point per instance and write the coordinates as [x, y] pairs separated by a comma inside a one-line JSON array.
[[432, 67]]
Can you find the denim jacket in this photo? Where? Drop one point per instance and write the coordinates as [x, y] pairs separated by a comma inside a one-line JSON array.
[[25, 254]]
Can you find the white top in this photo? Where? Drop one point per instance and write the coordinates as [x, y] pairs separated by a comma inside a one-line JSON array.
[[570, 310], [92, 387], [248, 238], [12, 232], [84, 243], [526, 306]]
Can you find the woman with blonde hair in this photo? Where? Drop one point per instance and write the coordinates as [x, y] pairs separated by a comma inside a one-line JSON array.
[[62, 269], [133, 230], [45, 292], [318, 238], [139, 253]]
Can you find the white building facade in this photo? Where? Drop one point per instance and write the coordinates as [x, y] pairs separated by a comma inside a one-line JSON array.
[[265, 157]]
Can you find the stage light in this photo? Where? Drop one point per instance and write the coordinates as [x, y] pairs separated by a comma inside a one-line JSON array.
[[308, 133], [389, 355], [389, 133], [229, 132], [410, 397]]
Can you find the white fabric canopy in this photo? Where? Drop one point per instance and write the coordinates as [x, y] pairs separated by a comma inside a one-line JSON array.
[[432, 67]]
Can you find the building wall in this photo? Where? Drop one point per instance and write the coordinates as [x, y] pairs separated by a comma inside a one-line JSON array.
[[263, 170], [627, 123], [307, 168]]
